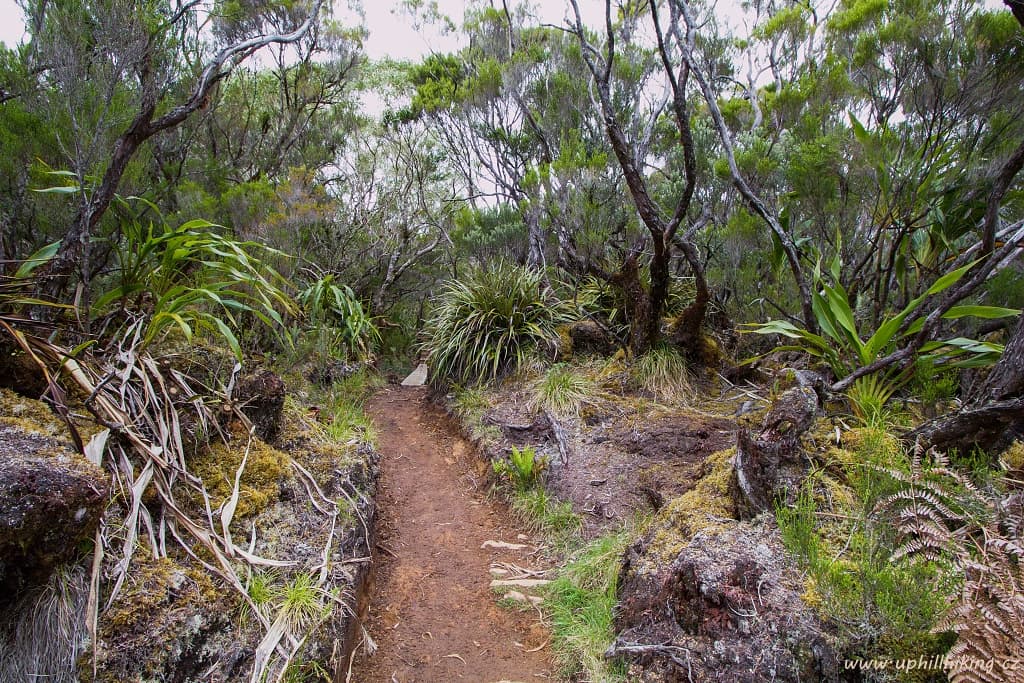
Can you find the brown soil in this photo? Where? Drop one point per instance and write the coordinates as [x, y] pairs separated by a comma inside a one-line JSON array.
[[432, 613], [627, 457]]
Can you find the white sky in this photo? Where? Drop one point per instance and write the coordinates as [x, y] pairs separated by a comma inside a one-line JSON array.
[[391, 31]]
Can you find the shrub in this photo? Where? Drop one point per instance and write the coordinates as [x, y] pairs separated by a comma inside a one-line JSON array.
[[662, 373], [563, 391], [884, 606], [193, 277], [337, 319], [489, 322]]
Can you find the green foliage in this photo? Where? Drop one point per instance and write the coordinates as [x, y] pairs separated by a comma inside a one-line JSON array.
[[546, 515], [844, 348], [338, 320], [523, 469], [303, 601], [563, 391], [868, 396], [581, 602], [606, 302], [884, 606], [193, 278], [489, 322], [347, 422]]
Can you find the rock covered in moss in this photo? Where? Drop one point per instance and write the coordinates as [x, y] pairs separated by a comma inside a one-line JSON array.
[[51, 500], [727, 607], [175, 622], [587, 337], [170, 622]]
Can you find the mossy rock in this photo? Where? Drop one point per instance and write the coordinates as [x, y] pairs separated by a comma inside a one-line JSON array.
[[259, 486], [51, 497], [708, 506], [170, 622]]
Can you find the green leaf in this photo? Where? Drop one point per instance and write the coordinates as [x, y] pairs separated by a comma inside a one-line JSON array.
[[59, 189], [37, 259], [229, 336], [986, 312], [949, 279]]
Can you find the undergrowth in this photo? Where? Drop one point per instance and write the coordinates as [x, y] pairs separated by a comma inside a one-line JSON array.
[[581, 602], [883, 606], [563, 391]]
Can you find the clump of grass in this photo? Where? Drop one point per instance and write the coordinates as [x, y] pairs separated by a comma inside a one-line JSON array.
[[548, 516], [262, 591], [488, 323], [662, 373], [470, 404], [563, 391], [581, 601], [349, 424], [302, 601]]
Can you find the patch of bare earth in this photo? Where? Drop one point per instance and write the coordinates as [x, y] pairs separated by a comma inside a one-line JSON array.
[[433, 614], [623, 458]]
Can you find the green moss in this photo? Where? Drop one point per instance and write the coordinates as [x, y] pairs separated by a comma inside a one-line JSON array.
[[259, 486], [34, 417], [1013, 458], [156, 604], [708, 506]]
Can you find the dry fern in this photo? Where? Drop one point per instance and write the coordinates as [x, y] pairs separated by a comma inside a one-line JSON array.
[[942, 516]]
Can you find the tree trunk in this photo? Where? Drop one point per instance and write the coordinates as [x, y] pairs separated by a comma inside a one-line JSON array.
[[983, 427], [1007, 377], [638, 306], [985, 424]]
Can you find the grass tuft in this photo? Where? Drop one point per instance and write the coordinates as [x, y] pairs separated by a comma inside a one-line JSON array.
[[662, 372], [303, 602], [581, 601], [563, 391]]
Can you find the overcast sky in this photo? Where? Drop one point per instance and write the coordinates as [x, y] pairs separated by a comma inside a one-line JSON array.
[[391, 31]]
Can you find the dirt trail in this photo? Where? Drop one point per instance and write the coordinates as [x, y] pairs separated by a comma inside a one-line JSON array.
[[432, 613]]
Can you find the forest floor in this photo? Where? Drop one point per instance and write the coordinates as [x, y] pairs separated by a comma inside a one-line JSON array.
[[433, 614]]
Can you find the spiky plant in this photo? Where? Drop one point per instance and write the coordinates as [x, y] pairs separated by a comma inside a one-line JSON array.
[[489, 322], [563, 391], [303, 601], [868, 397], [662, 373]]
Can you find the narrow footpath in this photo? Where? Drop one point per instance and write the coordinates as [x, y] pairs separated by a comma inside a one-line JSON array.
[[433, 614]]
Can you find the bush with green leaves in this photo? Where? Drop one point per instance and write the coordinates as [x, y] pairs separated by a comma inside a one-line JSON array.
[[606, 302], [194, 277], [883, 605], [844, 348], [487, 323], [337, 319]]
